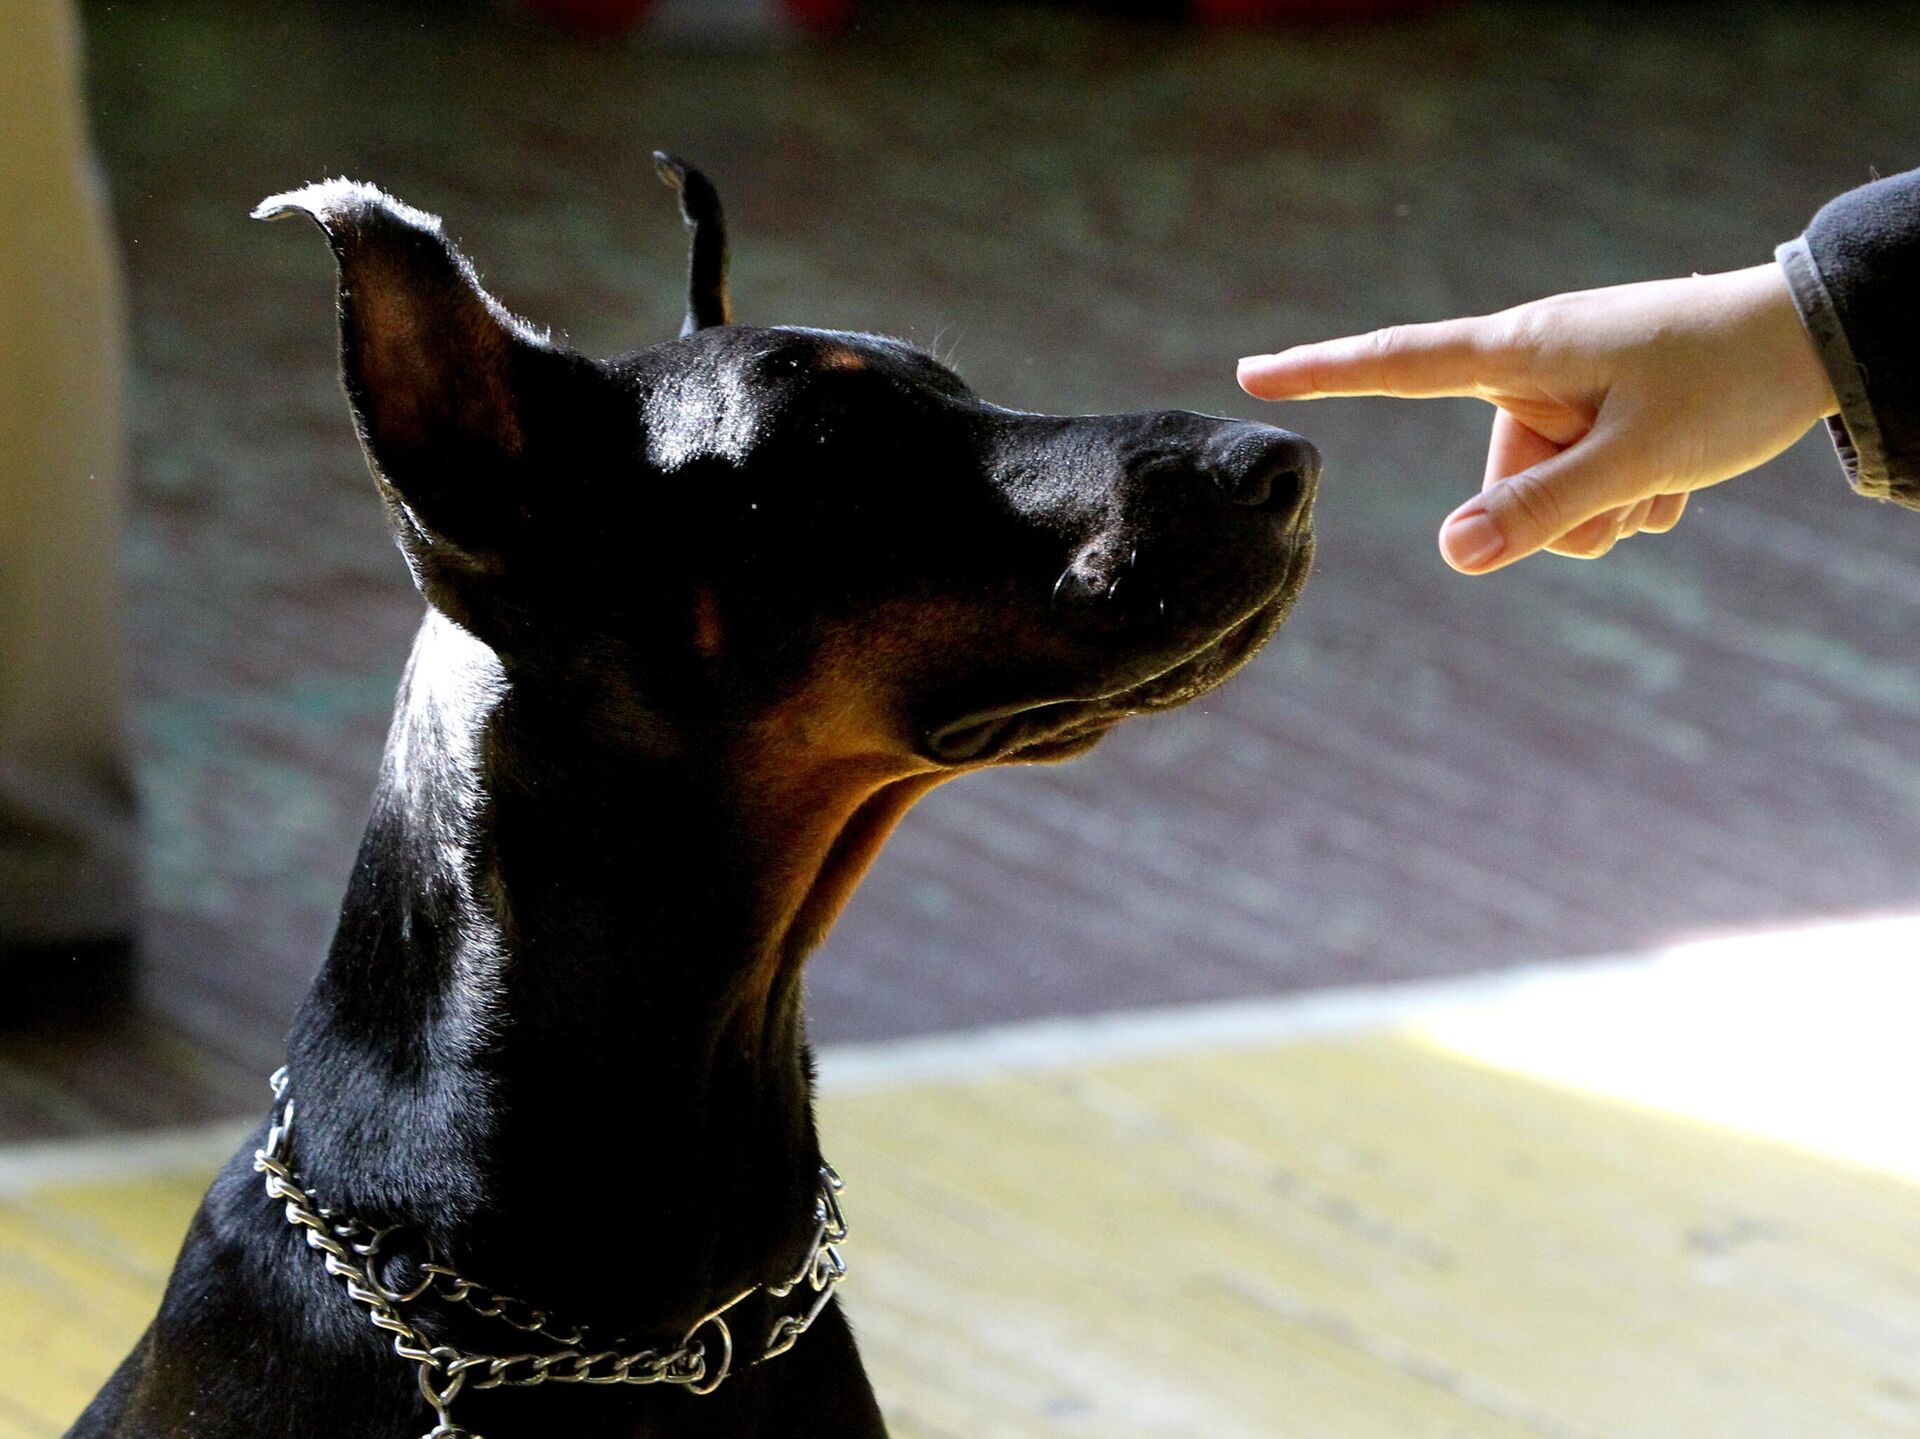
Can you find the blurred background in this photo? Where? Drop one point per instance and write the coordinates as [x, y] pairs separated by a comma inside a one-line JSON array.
[[1085, 210], [1096, 208]]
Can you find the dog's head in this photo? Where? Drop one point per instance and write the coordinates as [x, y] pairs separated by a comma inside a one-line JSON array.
[[824, 531]]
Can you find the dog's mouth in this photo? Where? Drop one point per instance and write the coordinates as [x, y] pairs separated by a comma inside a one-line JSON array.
[[1041, 731]]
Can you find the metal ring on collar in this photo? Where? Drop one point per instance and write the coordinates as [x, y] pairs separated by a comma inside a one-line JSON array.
[[370, 1255], [713, 1375]]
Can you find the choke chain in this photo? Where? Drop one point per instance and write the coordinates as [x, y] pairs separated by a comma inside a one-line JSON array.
[[350, 1250]]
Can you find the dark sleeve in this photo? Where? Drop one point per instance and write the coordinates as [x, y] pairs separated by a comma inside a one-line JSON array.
[[1855, 276]]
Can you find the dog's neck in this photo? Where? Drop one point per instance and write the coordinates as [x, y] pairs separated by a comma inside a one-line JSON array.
[[559, 1030]]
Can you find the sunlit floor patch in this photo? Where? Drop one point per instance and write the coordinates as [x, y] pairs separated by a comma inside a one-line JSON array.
[[1810, 1036], [1654, 1199]]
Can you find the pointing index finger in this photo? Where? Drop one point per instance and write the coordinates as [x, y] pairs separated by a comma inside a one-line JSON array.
[[1415, 362]]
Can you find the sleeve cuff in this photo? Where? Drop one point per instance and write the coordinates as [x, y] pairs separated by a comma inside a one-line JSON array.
[[1855, 431]]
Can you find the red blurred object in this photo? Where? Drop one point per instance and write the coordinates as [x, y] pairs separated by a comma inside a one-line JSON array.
[[1258, 12], [818, 14]]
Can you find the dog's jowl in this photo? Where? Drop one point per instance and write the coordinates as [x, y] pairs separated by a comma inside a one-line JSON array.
[[703, 619]]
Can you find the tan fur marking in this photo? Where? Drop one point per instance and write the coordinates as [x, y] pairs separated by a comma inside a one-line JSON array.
[[709, 636], [823, 783]]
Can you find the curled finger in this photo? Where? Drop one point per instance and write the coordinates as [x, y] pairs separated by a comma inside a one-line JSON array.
[[1665, 513]]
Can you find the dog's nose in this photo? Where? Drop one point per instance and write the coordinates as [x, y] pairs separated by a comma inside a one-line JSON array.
[[1264, 468]]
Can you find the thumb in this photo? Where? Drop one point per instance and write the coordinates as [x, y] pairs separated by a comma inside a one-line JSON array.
[[1525, 513]]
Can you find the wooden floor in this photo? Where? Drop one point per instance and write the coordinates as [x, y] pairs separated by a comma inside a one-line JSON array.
[[1238, 1227]]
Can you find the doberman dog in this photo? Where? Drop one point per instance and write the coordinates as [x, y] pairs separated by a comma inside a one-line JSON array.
[[703, 620]]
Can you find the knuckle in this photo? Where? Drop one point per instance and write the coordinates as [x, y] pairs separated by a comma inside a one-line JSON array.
[[1537, 505], [1384, 344], [1318, 375], [1666, 514], [1530, 327], [1585, 548]]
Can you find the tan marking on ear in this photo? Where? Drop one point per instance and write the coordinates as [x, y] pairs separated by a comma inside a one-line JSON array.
[[389, 343], [423, 354], [709, 635]]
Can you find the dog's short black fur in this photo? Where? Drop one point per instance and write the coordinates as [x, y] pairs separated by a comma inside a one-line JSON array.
[[704, 620]]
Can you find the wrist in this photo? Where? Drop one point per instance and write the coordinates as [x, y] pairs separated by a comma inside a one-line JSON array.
[[1788, 340], [1782, 344]]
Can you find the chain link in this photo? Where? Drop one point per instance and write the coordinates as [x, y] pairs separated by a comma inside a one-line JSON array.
[[350, 1251]]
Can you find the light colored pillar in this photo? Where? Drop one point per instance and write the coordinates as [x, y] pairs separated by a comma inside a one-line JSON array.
[[67, 833]]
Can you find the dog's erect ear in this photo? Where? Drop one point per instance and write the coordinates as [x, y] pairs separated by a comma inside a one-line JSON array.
[[707, 302], [443, 381]]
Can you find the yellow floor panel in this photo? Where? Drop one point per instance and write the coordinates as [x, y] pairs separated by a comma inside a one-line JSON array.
[[1344, 1238]]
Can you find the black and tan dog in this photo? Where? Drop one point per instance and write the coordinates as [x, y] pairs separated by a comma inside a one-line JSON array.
[[704, 620]]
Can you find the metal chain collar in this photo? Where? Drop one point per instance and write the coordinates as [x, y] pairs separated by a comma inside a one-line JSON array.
[[350, 1250]]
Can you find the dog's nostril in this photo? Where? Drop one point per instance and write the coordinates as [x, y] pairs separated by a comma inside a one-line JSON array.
[[1269, 470], [1285, 487]]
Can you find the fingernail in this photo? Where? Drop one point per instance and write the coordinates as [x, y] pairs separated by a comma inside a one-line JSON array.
[[1470, 539]]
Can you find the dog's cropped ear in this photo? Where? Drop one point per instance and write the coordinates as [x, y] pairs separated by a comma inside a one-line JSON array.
[[707, 302], [444, 383]]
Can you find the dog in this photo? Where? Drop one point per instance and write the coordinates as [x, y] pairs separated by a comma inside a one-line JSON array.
[[703, 620]]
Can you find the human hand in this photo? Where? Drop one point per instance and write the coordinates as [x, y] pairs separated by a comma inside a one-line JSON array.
[[1611, 405]]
